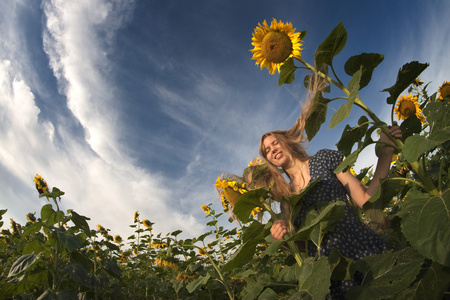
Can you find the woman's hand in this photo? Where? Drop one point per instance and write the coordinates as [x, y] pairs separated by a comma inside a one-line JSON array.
[[278, 229], [386, 149]]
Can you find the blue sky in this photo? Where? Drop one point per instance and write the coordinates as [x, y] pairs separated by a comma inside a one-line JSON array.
[[140, 105]]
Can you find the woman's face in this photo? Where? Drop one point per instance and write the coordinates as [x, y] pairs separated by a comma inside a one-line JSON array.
[[274, 152]]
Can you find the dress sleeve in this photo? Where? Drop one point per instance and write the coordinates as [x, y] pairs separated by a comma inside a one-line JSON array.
[[331, 158]]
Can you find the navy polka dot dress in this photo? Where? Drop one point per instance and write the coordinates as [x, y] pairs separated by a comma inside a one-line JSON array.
[[350, 237]]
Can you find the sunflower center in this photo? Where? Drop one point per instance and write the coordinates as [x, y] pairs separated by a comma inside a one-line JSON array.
[[407, 108], [445, 91], [276, 46]]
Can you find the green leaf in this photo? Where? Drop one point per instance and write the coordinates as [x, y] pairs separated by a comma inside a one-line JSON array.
[[268, 294], [77, 272], [339, 266], [365, 61], [255, 229], [433, 284], [405, 77], [348, 162], [352, 135], [243, 255], [344, 111], [287, 71], [70, 241], [254, 288], [294, 201], [331, 46], [48, 215], [417, 145], [437, 114], [410, 126], [247, 202], [386, 274], [23, 263], [318, 115], [333, 212], [32, 229], [200, 281], [314, 277], [80, 222], [426, 224], [113, 269], [33, 246], [288, 273]]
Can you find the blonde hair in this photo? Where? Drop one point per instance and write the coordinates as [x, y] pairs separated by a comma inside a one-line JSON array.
[[293, 141]]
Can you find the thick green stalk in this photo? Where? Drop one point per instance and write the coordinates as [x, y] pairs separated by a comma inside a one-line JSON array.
[[227, 288]]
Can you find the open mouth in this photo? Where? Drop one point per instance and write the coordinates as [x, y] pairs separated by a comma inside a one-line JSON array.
[[278, 155]]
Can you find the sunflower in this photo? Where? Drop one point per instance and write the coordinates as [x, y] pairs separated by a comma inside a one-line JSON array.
[[147, 224], [118, 239], [201, 251], [206, 209], [444, 90], [41, 184], [274, 44], [136, 216], [31, 218], [408, 106]]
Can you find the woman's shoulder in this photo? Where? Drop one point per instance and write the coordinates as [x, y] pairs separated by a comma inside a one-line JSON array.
[[326, 153], [331, 158]]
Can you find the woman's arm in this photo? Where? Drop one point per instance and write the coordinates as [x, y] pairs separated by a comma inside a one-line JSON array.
[[357, 191]]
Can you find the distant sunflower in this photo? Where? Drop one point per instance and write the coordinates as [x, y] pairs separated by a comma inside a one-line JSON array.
[[444, 90], [147, 223], [136, 216], [206, 209], [407, 105], [274, 44], [118, 239]]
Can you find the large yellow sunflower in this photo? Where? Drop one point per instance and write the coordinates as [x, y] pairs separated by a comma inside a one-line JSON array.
[[444, 90], [407, 105], [274, 44]]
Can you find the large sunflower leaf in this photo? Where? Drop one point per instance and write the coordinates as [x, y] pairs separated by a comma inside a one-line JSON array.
[[314, 277], [344, 111], [329, 214], [352, 135], [437, 114], [200, 281], [317, 116], [426, 224], [331, 46], [386, 274], [416, 145], [368, 62], [406, 75], [247, 202], [410, 126], [432, 285], [243, 255]]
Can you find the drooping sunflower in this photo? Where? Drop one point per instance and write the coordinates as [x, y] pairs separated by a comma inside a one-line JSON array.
[[274, 44], [407, 105], [147, 223], [444, 90], [206, 209], [41, 184]]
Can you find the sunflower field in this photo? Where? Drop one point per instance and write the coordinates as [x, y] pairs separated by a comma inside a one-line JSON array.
[[56, 255]]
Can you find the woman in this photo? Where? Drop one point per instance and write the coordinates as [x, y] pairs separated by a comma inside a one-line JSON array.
[[353, 239]]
